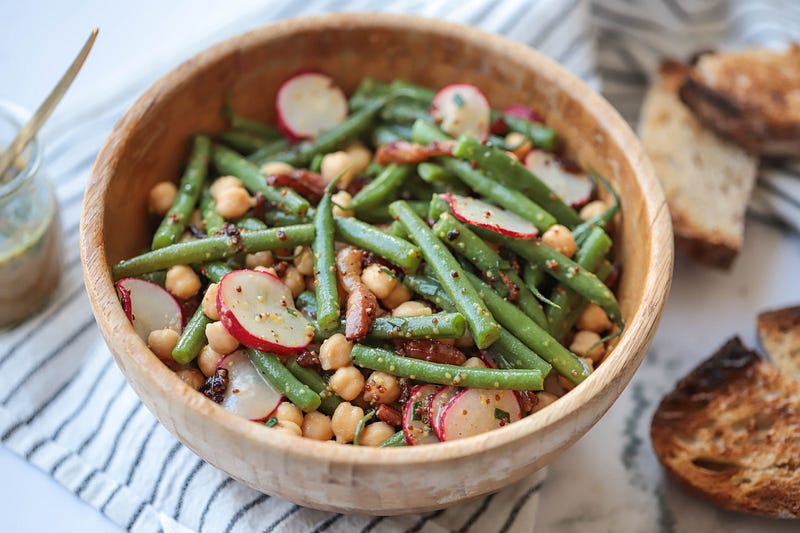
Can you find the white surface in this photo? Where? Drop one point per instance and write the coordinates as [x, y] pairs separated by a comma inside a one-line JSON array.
[[705, 308]]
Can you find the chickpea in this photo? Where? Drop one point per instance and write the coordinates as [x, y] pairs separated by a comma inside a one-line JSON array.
[[294, 280], [512, 155], [412, 308], [304, 260], [334, 353], [545, 399], [191, 377], [210, 302], [336, 163], [276, 168], [519, 144], [289, 412], [360, 156], [182, 282], [268, 270], [263, 259], [347, 382], [565, 383], [589, 363], [474, 362], [224, 183], [233, 203], [374, 434], [381, 388], [379, 280], [208, 360], [317, 426], [594, 318], [399, 294], [583, 341], [344, 421], [162, 196], [196, 219], [465, 340], [162, 342], [219, 339], [592, 209], [288, 426], [560, 239], [342, 198]]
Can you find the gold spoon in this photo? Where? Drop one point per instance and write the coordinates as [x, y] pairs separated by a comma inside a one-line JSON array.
[[29, 130]]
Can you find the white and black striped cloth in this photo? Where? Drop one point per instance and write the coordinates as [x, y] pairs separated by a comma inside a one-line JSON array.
[[66, 407]]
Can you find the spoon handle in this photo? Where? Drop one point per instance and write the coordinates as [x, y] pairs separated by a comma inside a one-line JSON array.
[[29, 130]]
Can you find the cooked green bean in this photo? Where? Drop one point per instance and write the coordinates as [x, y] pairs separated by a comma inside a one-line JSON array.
[[381, 188], [435, 326], [398, 439], [434, 173], [395, 250], [325, 281], [275, 218], [581, 232], [511, 173], [404, 111], [211, 218], [192, 338], [174, 222], [250, 224], [442, 374], [229, 162], [481, 324], [540, 135], [269, 151], [239, 122], [576, 305], [419, 94], [282, 379], [214, 247], [386, 134], [215, 270], [380, 213], [329, 400], [242, 141]]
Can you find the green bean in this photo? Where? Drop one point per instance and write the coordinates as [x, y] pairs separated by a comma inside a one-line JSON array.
[[540, 135], [215, 270], [329, 400], [174, 222], [438, 325], [588, 257], [434, 173], [380, 213], [306, 302], [215, 247], [398, 439], [250, 224], [367, 91], [576, 306], [276, 218], [211, 217], [241, 141], [192, 338], [506, 197], [442, 374], [437, 207], [424, 132], [513, 174], [282, 379], [482, 326], [239, 122], [581, 232], [266, 153], [158, 277], [404, 111], [325, 281], [385, 134], [419, 94], [378, 190], [395, 250], [229, 162], [530, 333]]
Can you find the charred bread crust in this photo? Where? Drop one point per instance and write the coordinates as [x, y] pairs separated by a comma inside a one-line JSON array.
[[730, 431], [779, 333]]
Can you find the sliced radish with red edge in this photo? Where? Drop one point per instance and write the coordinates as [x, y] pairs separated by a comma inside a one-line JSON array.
[[479, 213], [522, 111], [575, 188], [461, 109], [436, 408], [476, 411], [308, 104], [149, 306], [258, 310], [249, 394], [416, 422]]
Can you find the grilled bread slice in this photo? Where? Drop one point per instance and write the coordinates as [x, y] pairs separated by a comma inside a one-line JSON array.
[[751, 96], [731, 431], [707, 180], [779, 332]]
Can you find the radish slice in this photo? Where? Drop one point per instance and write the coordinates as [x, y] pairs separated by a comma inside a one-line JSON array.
[[248, 394], [522, 111], [258, 310], [476, 411], [479, 213], [149, 306], [416, 422], [436, 408], [574, 188], [462, 109], [308, 104]]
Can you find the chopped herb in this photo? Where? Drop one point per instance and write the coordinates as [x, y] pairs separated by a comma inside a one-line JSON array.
[[502, 416], [388, 272], [360, 426], [271, 422], [291, 311], [458, 99]]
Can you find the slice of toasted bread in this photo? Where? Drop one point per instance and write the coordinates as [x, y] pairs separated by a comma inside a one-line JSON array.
[[707, 180], [731, 431], [750, 96], [779, 332]]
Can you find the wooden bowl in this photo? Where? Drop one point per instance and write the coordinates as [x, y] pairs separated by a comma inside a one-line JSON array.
[[149, 145]]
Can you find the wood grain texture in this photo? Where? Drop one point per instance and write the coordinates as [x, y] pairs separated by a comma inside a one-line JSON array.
[[150, 142]]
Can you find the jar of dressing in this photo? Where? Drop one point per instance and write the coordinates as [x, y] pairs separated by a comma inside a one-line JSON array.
[[30, 236]]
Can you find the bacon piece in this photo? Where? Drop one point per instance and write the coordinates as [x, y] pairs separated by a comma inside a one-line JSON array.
[[389, 415], [513, 290], [362, 305], [408, 152], [431, 350], [309, 184]]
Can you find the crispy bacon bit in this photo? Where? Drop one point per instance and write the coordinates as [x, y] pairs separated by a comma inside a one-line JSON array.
[[405, 391], [430, 350], [259, 205], [308, 359], [233, 234], [527, 400], [303, 181], [389, 415], [280, 268], [215, 386], [408, 152], [514, 260], [356, 184], [362, 305], [513, 290]]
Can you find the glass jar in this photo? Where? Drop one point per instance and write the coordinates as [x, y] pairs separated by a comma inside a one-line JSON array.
[[30, 236]]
